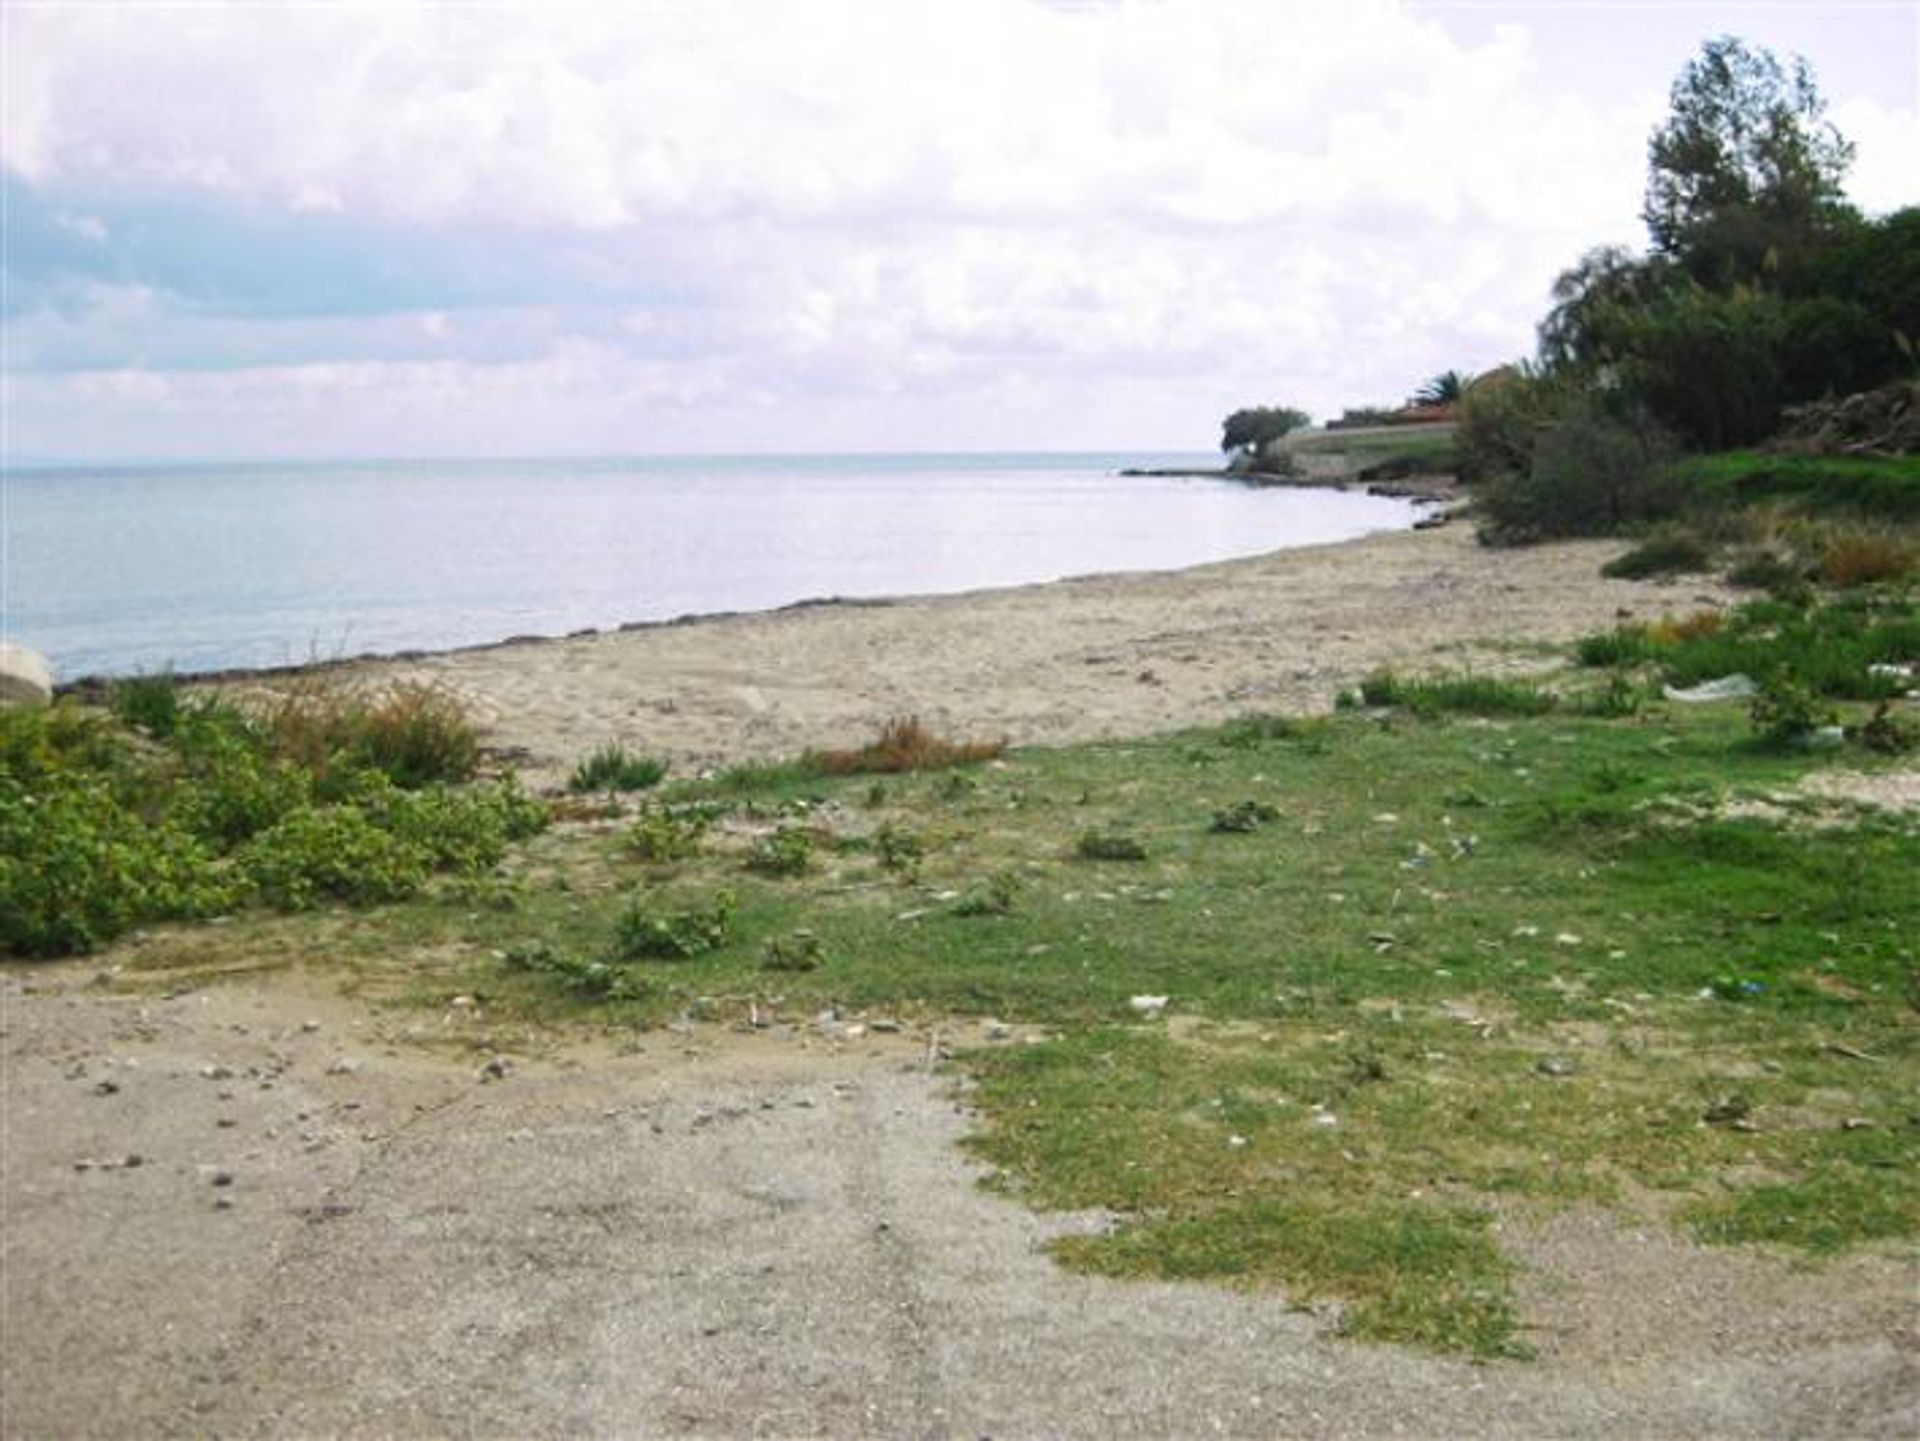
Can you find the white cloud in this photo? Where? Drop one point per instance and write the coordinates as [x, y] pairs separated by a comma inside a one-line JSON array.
[[970, 209]]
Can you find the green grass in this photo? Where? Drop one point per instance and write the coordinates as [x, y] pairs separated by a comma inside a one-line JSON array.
[[1884, 488], [1461, 966]]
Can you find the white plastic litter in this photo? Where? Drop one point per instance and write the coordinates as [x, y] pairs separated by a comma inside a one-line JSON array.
[[1737, 686]]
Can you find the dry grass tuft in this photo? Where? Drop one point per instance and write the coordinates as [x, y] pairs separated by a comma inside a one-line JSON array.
[[1673, 629], [414, 731], [905, 745]]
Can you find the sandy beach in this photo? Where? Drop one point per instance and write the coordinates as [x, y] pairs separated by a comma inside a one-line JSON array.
[[1099, 657]]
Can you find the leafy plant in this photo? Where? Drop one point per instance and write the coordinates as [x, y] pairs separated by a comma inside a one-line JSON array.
[[1109, 845], [785, 851], [660, 836], [149, 703], [321, 853], [647, 928], [1785, 711], [899, 851], [1243, 817], [994, 896], [796, 951]]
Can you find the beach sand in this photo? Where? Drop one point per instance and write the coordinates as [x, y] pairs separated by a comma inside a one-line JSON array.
[[1100, 657]]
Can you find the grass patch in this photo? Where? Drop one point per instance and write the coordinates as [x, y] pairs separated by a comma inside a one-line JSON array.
[[1473, 695], [614, 768]]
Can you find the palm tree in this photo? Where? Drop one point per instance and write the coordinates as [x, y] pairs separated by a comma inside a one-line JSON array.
[[1444, 389]]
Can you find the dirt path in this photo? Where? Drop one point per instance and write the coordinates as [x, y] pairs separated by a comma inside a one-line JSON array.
[[734, 1235]]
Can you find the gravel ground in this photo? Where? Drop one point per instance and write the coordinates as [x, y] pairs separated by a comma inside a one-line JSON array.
[[336, 1227]]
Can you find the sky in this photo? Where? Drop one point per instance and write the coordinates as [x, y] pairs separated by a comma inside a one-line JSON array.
[[319, 230]]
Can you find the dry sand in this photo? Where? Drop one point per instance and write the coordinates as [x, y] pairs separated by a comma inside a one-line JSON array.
[[1105, 656]]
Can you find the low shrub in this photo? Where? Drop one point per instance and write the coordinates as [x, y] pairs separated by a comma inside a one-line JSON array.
[[1785, 710], [994, 896], [1886, 732], [904, 744], [614, 768], [787, 851], [797, 951], [320, 853], [1766, 569], [899, 851], [148, 703], [1854, 556], [78, 868], [1109, 845], [1243, 817], [659, 837], [649, 929], [1668, 551], [414, 732]]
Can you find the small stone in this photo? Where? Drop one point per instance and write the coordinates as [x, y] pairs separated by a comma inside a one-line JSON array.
[[134, 1159], [223, 1202], [886, 1026], [222, 1178], [1856, 1123], [496, 1069], [106, 1088], [216, 1073], [345, 1066], [1148, 1006], [1236, 1142], [309, 1026], [226, 1123], [1554, 1066]]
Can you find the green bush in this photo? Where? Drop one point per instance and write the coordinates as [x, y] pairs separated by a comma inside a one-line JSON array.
[[1109, 845], [320, 853], [614, 768], [1243, 817], [787, 851], [647, 928], [1668, 551], [77, 868], [993, 896], [799, 951], [661, 836], [149, 703], [1591, 471]]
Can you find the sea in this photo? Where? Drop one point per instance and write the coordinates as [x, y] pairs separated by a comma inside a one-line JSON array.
[[124, 570]]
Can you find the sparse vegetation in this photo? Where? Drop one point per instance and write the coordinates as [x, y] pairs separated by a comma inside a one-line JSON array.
[[903, 744], [614, 768], [174, 808]]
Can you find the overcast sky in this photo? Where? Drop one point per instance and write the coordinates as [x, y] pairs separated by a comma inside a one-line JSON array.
[[267, 230]]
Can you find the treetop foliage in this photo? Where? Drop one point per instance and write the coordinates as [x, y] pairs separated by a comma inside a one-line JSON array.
[[1746, 166], [1253, 427]]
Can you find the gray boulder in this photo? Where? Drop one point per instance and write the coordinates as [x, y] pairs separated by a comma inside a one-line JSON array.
[[25, 677]]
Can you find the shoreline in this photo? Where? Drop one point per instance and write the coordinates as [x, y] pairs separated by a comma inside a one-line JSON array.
[[94, 684], [1101, 657]]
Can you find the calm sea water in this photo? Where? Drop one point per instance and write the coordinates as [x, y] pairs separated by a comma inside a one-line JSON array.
[[115, 571]]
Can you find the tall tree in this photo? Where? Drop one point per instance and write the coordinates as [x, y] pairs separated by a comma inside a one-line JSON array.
[[1744, 178]]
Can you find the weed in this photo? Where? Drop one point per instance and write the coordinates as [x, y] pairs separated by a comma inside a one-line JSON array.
[[994, 896], [614, 768], [786, 851], [661, 836], [414, 732], [1243, 817], [1853, 556], [1886, 732], [899, 851], [796, 951], [1668, 551], [904, 744], [148, 703], [647, 928], [1109, 845], [1785, 711]]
